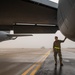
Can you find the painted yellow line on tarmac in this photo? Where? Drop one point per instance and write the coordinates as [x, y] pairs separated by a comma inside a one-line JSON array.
[[29, 69], [47, 54], [26, 72], [36, 68]]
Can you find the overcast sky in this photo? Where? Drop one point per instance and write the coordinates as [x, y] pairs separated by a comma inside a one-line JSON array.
[[56, 1], [37, 41]]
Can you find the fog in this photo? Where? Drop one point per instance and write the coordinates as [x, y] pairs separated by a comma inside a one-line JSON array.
[[37, 41]]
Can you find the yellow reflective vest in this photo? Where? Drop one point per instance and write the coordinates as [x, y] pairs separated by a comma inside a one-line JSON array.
[[57, 48]]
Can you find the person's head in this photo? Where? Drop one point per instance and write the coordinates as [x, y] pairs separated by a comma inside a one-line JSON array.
[[56, 38]]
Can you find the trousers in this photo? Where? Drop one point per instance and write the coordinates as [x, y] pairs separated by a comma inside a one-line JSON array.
[[59, 54]]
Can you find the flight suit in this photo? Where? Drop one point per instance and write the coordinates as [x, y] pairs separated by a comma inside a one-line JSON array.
[[57, 50]]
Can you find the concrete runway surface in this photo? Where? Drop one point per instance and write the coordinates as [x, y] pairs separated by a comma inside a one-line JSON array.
[[21, 61], [35, 62], [48, 67]]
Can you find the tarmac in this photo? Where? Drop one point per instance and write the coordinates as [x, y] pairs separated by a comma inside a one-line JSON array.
[[35, 62], [21, 61], [48, 67]]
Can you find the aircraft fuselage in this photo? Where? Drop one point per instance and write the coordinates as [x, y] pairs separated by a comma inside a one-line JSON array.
[[66, 18]]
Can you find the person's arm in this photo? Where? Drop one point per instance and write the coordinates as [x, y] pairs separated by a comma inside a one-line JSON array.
[[53, 46], [63, 40]]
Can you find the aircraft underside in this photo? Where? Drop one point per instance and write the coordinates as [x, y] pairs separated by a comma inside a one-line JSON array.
[[31, 16]]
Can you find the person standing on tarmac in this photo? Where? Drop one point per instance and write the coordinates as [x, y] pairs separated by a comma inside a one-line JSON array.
[[57, 50]]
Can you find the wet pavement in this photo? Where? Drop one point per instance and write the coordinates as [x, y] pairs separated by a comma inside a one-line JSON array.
[[48, 67], [21, 61]]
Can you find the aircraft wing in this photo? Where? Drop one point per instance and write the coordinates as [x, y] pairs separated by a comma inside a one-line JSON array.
[[30, 12], [18, 35], [44, 3]]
